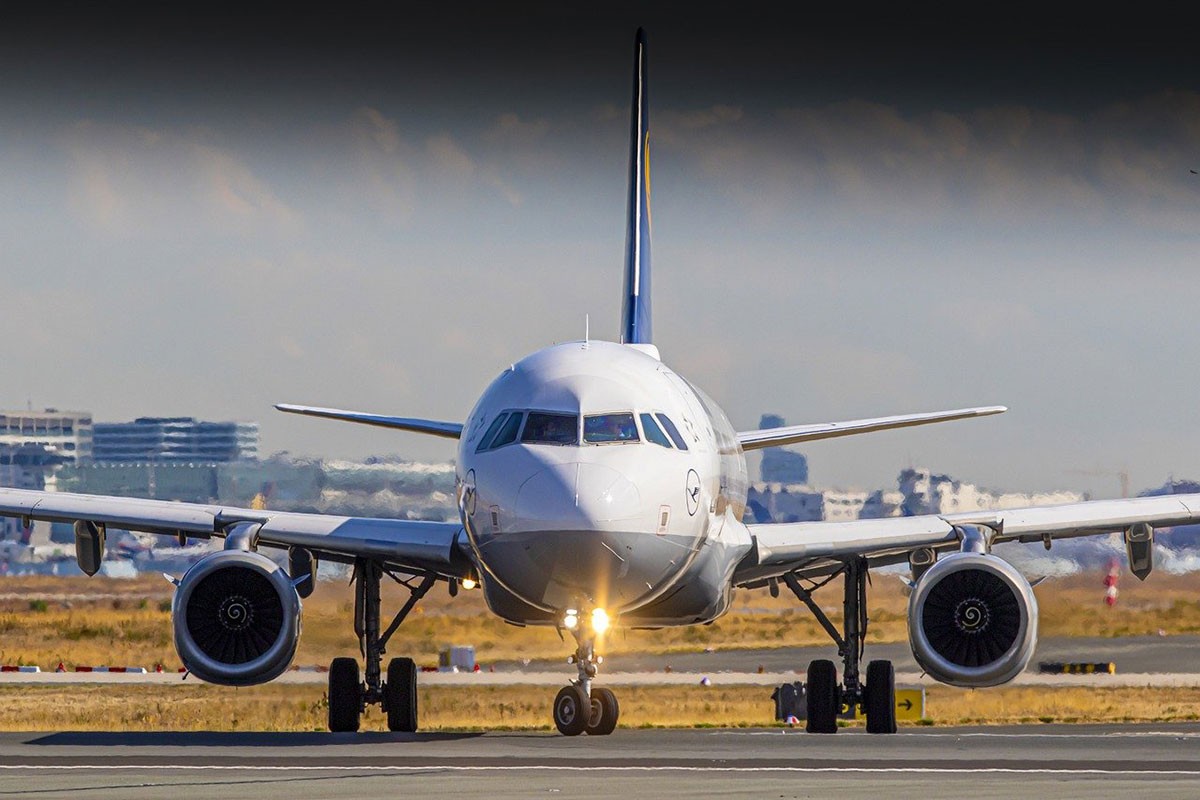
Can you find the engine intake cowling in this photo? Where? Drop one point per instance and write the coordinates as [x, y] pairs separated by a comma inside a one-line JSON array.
[[972, 620], [236, 618]]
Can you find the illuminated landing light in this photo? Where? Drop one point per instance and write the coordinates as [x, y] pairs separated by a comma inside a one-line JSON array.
[[571, 619], [599, 620], [467, 583]]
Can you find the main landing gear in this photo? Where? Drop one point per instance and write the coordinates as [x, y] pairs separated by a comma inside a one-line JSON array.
[[826, 699], [580, 707], [397, 696]]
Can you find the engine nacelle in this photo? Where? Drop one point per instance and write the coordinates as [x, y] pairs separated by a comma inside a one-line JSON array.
[[972, 620], [236, 618]]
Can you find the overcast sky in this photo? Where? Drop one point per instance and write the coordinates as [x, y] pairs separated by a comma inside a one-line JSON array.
[[204, 215]]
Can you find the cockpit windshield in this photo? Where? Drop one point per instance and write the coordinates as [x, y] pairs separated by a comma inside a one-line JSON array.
[[486, 442], [653, 432], [672, 431], [548, 427], [610, 428], [544, 428], [503, 431]]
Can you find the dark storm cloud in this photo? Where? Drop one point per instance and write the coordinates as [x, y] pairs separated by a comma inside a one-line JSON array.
[[556, 53]]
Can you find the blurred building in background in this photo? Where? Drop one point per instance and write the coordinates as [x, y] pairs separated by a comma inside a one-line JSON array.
[[779, 464], [26, 466], [67, 433], [174, 440]]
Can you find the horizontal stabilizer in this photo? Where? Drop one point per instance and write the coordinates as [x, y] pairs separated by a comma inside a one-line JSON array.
[[774, 437], [450, 430]]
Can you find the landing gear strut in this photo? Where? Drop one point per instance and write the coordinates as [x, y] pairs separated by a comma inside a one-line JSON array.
[[877, 696], [348, 696], [581, 708]]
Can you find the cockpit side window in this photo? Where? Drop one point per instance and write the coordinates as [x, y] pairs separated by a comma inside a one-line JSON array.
[[672, 431], [610, 428], [486, 441], [546, 428], [653, 432], [508, 432]]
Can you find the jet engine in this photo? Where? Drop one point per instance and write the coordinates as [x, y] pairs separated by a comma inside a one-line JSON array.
[[972, 620], [237, 619]]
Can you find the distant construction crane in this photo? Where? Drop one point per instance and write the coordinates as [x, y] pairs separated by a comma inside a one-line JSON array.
[[1120, 474]]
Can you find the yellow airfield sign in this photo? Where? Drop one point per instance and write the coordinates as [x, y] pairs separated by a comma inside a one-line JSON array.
[[910, 705]]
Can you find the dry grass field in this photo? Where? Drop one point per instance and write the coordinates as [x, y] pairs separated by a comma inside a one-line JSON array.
[[120, 622], [302, 707], [94, 621]]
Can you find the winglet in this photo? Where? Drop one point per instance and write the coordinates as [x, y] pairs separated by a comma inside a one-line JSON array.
[[636, 315]]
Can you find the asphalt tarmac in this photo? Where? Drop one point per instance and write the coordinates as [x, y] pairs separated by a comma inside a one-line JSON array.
[[1140, 661], [1131, 654], [1145, 761]]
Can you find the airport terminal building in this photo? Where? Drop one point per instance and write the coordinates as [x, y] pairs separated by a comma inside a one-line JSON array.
[[67, 433], [174, 440]]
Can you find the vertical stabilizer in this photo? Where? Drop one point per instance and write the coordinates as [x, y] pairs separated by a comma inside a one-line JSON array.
[[635, 311]]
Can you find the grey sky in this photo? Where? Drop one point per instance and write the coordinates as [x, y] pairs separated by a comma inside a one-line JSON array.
[[382, 213]]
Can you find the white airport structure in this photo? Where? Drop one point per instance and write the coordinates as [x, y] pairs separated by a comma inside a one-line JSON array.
[[174, 439], [67, 433], [920, 491]]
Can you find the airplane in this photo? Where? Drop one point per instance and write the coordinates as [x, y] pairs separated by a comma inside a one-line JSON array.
[[596, 487]]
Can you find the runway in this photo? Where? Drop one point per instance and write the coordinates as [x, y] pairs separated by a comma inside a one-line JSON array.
[[1132, 654], [1062, 761], [1140, 660], [559, 677]]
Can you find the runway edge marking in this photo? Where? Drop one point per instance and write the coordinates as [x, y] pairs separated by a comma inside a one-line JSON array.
[[576, 768]]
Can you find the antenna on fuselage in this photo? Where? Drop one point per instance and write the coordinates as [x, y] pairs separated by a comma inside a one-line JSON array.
[[587, 328]]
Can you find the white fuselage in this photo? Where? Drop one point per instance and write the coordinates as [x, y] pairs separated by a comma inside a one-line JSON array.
[[592, 476]]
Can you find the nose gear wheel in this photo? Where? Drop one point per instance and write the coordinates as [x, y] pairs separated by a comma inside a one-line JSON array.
[[572, 710], [580, 707]]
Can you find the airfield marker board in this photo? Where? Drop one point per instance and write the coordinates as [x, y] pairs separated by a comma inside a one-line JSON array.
[[910, 706]]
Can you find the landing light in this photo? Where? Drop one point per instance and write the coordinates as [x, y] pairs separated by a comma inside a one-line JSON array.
[[571, 619], [599, 620], [467, 583]]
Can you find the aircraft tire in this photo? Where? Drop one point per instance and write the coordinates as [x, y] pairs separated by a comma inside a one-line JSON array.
[[400, 695], [345, 695], [572, 710], [605, 712], [822, 696], [879, 700]]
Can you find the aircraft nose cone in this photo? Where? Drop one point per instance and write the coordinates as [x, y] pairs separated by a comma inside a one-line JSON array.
[[576, 495]]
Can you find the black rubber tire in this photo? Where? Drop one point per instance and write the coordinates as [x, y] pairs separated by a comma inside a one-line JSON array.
[[400, 695], [345, 696], [572, 710], [823, 697], [605, 713], [880, 697]]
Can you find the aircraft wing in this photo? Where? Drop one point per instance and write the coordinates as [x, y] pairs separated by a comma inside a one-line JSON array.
[[786, 547], [775, 437], [405, 544], [449, 430]]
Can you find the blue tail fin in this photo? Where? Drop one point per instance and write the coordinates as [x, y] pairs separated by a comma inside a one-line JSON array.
[[635, 312]]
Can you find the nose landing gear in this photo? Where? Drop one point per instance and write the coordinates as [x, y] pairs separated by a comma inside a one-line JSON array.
[[580, 708]]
